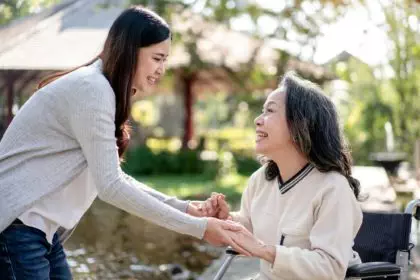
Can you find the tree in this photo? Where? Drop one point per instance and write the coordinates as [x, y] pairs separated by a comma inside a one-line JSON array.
[[403, 25], [298, 22], [13, 9], [376, 98]]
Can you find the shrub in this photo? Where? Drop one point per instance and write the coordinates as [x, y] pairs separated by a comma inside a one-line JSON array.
[[246, 165], [142, 161]]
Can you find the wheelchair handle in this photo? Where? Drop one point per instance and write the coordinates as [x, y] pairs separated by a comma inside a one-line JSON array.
[[412, 206], [230, 251]]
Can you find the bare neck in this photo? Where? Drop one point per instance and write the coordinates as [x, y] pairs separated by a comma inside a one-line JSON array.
[[289, 162]]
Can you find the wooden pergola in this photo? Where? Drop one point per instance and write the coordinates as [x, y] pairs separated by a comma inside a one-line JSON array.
[[72, 32]]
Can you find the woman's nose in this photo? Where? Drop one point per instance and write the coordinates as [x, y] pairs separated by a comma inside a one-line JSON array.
[[161, 69], [258, 121]]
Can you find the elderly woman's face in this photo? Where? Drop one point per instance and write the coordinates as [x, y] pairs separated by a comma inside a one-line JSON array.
[[271, 126]]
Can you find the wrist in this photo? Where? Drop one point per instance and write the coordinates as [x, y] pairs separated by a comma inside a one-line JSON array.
[[268, 253]]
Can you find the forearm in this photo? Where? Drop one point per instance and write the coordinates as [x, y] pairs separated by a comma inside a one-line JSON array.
[[239, 217], [143, 205], [268, 253], [297, 263], [174, 202]]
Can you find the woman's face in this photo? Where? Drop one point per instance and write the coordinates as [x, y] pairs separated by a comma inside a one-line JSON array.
[[151, 63], [271, 126]]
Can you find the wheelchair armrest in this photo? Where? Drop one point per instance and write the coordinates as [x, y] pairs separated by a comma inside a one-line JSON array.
[[230, 251], [372, 269]]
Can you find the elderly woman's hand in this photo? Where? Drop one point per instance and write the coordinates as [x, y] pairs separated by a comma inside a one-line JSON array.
[[246, 240], [215, 206]]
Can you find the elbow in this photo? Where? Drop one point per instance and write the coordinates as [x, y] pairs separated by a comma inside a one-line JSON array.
[[330, 269], [333, 270], [107, 190], [102, 195]]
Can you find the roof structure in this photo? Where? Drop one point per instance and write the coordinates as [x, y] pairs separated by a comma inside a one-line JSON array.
[[74, 31]]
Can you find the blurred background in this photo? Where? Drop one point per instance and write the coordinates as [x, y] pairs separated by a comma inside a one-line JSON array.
[[195, 134]]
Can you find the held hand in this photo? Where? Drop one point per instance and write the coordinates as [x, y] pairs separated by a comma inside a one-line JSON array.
[[195, 209], [254, 246], [218, 233], [224, 209], [215, 206]]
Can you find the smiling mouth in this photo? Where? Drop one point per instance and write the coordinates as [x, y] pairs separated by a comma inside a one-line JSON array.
[[261, 135], [152, 80]]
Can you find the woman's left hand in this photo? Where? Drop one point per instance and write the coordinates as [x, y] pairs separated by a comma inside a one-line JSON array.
[[195, 208], [254, 246], [214, 206]]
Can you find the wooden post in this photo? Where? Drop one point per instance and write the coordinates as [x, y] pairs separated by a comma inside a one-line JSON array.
[[188, 107]]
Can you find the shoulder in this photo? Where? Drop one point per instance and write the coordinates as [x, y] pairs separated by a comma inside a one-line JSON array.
[[334, 186], [87, 84], [337, 195]]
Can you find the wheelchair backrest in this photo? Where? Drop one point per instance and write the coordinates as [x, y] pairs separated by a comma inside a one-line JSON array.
[[382, 235]]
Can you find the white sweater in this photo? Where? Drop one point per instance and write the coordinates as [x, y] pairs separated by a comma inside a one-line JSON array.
[[63, 208], [312, 222], [61, 130]]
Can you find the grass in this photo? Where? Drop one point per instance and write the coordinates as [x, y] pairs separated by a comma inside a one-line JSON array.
[[197, 187]]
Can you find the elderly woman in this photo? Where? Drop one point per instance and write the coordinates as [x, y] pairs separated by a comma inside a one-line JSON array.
[[301, 205]]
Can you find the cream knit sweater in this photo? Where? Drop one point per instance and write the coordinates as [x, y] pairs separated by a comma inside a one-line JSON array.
[[312, 222]]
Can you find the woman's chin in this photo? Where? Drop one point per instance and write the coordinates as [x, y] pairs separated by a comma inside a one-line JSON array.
[[144, 91], [259, 149]]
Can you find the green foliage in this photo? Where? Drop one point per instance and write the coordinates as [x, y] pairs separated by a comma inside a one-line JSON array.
[[198, 187], [142, 161], [245, 164], [375, 98], [303, 18], [403, 23], [13, 9]]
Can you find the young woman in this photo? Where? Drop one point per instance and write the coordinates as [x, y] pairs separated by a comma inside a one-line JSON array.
[[301, 205], [64, 148]]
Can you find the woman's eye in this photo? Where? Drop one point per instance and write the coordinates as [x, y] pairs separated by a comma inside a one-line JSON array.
[[157, 59]]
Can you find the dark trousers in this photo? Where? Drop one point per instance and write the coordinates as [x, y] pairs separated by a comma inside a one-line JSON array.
[[25, 254]]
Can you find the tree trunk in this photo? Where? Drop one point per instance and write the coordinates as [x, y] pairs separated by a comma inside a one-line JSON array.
[[188, 82]]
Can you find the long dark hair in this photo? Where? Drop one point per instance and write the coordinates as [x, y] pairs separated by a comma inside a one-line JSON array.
[[135, 28], [315, 130]]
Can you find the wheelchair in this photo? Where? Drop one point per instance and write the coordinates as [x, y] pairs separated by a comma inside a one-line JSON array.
[[383, 243]]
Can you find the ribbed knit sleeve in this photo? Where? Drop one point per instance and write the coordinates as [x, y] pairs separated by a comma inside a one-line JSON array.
[[91, 120], [179, 204]]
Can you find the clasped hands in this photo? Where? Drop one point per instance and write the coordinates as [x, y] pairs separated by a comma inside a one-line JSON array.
[[223, 231]]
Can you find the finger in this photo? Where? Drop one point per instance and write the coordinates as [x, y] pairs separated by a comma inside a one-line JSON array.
[[209, 207], [223, 213], [216, 194], [214, 200], [204, 208], [238, 248], [223, 204], [229, 218], [232, 226]]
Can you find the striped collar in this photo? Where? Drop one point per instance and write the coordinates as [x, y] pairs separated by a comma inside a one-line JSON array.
[[285, 186]]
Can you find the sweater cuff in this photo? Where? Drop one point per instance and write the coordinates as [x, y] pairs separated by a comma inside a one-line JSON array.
[[179, 204], [279, 263], [199, 228]]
